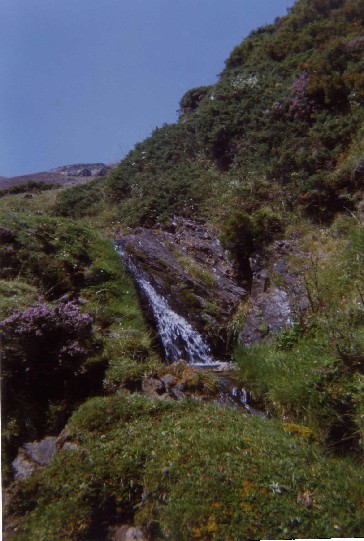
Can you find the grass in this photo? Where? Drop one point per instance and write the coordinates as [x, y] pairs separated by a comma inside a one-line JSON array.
[[312, 372], [49, 257], [196, 270], [188, 471], [250, 158]]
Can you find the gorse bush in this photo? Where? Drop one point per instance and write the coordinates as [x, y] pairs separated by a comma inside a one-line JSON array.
[[29, 187], [79, 201]]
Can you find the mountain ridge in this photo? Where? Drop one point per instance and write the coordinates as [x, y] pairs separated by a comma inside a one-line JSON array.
[[64, 175]]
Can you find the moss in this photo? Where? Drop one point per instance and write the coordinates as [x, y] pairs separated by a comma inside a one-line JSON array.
[[16, 293], [189, 471], [202, 274], [303, 431], [189, 298], [211, 309]]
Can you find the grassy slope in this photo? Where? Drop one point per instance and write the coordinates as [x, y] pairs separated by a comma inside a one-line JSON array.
[[46, 258], [189, 471], [313, 371]]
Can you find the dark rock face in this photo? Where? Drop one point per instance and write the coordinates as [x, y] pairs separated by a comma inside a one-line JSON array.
[[188, 266], [274, 308]]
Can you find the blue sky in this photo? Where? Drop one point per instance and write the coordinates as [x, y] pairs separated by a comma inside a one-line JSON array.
[[84, 80]]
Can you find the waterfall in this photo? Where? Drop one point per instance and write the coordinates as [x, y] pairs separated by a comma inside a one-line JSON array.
[[241, 395], [179, 339]]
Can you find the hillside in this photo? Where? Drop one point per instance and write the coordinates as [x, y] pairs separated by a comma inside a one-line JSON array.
[[65, 175], [284, 123], [183, 335]]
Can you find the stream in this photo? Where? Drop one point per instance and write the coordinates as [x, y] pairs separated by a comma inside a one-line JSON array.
[[181, 341]]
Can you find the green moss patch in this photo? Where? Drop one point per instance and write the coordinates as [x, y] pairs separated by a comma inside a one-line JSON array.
[[189, 471]]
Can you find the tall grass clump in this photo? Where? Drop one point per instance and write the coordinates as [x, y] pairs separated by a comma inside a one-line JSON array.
[[313, 371]]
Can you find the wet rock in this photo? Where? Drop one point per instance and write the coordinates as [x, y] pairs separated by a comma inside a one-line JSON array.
[[153, 387], [187, 265]]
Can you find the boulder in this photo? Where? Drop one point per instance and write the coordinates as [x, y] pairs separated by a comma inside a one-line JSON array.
[[23, 467], [42, 451], [153, 387], [34, 455]]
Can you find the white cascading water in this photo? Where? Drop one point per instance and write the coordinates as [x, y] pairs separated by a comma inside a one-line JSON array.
[[241, 395], [179, 339]]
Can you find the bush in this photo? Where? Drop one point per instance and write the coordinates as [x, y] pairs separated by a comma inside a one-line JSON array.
[[79, 201], [243, 233], [45, 348]]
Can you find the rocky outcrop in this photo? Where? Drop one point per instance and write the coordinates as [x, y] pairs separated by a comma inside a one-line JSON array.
[[188, 266], [278, 294], [33, 456], [68, 175], [84, 170]]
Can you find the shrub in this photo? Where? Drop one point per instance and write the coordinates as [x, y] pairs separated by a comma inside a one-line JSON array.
[[190, 101], [79, 201], [243, 233], [43, 363]]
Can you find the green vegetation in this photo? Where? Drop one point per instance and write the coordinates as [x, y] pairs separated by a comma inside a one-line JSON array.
[[47, 262], [196, 270], [29, 187], [283, 124], [275, 149], [188, 471], [313, 372]]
